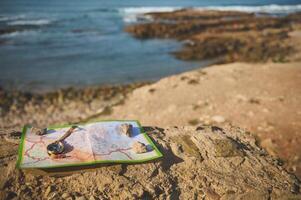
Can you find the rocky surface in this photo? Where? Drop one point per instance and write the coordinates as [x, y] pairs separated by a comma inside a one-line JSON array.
[[262, 98], [126, 129], [204, 162], [225, 36], [66, 105]]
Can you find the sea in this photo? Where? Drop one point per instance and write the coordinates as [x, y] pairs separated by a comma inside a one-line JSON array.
[[48, 45]]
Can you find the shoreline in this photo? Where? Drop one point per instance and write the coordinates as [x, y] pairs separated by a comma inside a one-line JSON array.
[[231, 36], [263, 98], [229, 130], [215, 39], [193, 42], [86, 102]]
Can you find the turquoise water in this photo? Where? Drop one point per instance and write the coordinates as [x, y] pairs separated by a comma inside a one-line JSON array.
[[56, 44]]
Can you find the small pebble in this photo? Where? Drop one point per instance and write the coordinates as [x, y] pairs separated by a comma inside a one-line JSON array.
[[139, 147], [80, 198], [65, 195], [126, 129], [218, 119], [92, 198], [48, 190]]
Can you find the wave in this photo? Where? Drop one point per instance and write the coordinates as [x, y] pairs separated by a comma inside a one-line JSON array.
[[38, 22], [17, 33], [141, 10], [133, 14], [270, 9], [11, 18]]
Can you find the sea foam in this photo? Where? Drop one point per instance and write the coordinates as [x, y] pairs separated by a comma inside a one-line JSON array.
[[11, 18], [271, 9], [38, 22], [132, 14], [18, 33]]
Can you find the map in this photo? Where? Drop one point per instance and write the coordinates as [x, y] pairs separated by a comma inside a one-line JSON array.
[[91, 143]]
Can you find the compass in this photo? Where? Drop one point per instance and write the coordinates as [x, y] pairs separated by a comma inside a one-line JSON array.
[[58, 146]]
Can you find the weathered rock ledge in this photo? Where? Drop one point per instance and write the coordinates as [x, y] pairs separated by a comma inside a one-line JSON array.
[[203, 162], [226, 36], [83, 103]]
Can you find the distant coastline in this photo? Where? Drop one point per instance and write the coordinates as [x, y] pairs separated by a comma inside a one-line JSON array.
[[53, 47], [228, 36], [220, 36]]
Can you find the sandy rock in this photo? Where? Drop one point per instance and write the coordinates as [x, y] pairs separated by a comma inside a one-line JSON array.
[[92, 198], [39, 131], [53, 195], [204, 162], [126, 129], [241, 41], [269, 145], [48, 190], [13, 137], [80, 198], [226, 148], [139, 147], [65, 195], [218, 119]]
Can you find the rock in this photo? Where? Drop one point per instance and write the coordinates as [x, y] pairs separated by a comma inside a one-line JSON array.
[[48, 190], [139, 147], [226, 148], [184, 145], [238, 38], [13, 137], [152, 90], [8, 195], [126, 129], [218, 119], [269, 145], [202, 162], [53, 195], [65, 195], [193, 122], [80, 198], [92, 198], [39, 131], [254, 101]]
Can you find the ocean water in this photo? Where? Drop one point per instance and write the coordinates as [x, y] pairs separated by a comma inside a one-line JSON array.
[[59, 43]]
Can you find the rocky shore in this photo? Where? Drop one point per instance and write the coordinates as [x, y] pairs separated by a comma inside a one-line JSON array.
[[65, 105], [210, 159], [227, 36]]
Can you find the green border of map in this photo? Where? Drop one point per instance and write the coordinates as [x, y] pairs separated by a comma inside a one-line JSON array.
[[22, 144]]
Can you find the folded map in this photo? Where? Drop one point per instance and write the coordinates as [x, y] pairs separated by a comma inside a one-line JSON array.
[[90, 143]]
